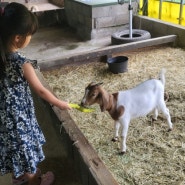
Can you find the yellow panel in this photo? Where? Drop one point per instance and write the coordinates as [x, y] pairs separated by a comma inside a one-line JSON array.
[[170, 11]]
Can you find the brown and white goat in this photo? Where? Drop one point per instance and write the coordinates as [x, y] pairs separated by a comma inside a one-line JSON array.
[[126, 105]]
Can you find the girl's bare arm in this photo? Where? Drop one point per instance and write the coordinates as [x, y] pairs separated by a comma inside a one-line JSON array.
[[36, 85]]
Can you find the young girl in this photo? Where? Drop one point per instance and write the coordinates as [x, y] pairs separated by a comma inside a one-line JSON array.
[[21, 138]]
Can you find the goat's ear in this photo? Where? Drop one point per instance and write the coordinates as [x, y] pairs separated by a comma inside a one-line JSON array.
[[100, 83], [92, 83], [95, 84]]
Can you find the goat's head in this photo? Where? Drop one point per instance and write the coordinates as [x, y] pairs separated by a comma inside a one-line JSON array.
[[94, 93]]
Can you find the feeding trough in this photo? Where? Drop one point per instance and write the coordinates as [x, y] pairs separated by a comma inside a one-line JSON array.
[[118, 64], [131, 35]]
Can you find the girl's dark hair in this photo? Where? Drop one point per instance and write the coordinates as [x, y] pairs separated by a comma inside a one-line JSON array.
[[16, 19]]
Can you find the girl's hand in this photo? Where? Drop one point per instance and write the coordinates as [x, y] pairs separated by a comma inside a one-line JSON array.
[[63, 105]]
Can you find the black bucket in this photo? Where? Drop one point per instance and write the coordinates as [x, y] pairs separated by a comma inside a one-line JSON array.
[[118, 64]]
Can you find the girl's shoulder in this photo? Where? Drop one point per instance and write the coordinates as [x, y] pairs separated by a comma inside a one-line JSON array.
[[20, 59], [15, 57]]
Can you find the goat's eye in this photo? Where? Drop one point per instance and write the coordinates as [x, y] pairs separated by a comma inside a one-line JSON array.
[[93, 94]]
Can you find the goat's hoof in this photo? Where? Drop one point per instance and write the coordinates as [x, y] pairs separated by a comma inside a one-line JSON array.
[[170, 129], [115, 139], [153, 119], [122, 153], [166, 97]]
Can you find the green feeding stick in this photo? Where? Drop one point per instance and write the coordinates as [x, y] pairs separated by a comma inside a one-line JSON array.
[[80, 108]]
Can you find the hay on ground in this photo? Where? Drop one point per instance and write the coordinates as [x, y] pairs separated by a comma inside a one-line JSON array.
[[154, 156]]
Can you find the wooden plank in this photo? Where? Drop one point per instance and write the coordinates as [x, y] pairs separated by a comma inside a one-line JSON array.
[[91, 159], [95, 168], [90, 55]]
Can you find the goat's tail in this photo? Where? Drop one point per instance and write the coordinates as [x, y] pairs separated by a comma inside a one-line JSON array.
[[162, 76]]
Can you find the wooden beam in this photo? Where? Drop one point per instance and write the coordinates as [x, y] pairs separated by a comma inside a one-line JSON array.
[[84, 56]]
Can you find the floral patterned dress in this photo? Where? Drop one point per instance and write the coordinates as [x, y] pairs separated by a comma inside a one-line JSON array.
[[21, 138]]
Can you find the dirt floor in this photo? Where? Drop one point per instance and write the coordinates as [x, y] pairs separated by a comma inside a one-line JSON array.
[[154, 156]]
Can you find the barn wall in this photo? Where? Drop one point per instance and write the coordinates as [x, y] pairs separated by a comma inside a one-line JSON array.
[[95, 21]]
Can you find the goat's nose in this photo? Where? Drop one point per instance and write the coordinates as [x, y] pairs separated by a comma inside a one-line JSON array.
[[82, 103]]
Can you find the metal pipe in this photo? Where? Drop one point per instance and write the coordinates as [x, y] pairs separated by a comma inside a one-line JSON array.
[[160, 8], [181, 11], [145, 7], [130, 19], [130, 15]]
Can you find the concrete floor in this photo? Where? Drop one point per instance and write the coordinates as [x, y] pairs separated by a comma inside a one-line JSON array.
[[58, 42], [48, 44]]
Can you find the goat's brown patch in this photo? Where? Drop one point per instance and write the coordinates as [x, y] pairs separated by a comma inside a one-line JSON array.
[[114, 111], [117, 112]]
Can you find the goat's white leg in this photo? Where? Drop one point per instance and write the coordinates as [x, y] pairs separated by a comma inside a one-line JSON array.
[[155, 114], [124, 132], [166, 113], [116, 131]]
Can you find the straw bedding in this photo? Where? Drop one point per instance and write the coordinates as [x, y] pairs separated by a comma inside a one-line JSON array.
[[154, 156]]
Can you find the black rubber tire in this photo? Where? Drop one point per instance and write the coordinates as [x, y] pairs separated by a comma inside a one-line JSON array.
[[122, 37]]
